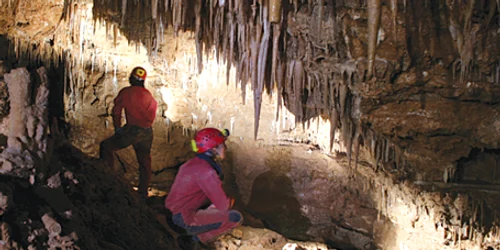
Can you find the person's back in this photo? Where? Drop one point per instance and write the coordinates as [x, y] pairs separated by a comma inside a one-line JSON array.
[[140, 111], [196, 185], [139, 104], [196, 199]]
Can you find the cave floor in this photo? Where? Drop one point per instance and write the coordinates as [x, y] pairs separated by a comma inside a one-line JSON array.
[[252, 235]]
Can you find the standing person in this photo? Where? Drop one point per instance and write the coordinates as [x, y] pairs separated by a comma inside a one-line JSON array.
[[140, 112], [196, 199]]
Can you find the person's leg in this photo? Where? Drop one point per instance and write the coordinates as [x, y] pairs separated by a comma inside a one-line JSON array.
[[109, 146], [193, 228], [226, 219], [142, 149]]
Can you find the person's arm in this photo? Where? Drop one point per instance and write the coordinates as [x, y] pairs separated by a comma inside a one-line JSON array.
[[212, 186], [117, 110]]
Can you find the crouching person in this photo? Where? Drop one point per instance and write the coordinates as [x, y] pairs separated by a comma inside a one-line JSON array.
[[197, 201]]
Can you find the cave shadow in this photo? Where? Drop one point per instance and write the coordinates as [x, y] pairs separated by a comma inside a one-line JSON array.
[[482, 166], [274, 201]]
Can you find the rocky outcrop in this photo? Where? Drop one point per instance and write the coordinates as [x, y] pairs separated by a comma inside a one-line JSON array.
[[403, 93], [53, 197]]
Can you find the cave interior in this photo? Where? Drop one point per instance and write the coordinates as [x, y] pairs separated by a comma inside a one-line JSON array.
[[356, 124]]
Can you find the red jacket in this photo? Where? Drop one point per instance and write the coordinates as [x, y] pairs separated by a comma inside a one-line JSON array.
[[140, 107], [196, 184]]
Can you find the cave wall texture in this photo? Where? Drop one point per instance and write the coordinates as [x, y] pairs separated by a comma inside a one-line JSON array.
[[408, 91], [415, 83]]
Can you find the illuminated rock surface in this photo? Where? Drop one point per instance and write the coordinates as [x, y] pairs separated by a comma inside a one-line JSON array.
[[355, 124]]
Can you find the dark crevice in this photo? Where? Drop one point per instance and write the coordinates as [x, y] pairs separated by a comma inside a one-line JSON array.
[[481, 166]]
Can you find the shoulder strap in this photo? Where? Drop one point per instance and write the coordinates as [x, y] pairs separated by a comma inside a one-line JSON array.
[[211, 161]]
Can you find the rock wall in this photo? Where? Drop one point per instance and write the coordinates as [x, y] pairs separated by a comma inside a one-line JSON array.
[[402, 94], [54, 197]]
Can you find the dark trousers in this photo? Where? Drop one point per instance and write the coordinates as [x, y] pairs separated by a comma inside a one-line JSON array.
[[141, 140], [209, 223]]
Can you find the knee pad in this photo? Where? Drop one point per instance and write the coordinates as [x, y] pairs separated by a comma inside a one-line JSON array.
[[235, 216]]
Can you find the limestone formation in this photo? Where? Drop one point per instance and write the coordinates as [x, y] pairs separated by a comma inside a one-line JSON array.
[[361, 124]]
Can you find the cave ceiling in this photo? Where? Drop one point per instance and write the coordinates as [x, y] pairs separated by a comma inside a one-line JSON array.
[[413, 83]]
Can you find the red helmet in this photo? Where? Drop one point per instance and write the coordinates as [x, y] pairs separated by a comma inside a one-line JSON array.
[[139, 73], [209, 138]]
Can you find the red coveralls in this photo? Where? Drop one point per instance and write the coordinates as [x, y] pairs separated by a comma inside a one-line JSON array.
[[140, 112], [197, 185]]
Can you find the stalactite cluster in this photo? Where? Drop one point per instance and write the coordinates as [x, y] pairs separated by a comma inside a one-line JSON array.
[[328, 59], [467, 216], [306, 53]]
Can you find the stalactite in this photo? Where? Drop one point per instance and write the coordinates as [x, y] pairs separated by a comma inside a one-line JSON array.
[[491, 13], [261, 65], [347, 136], [463, 36], [115, 36], [357, 143], [244, 62], [276, 36], [124, 12], [154, 8], [242, 74], [387, 150], [307, 95], [280, 74], [317, 90], [378, 153], [290, 65], [324, 92], [374, 12], [297, 86], [332, 110], [333, 125], [210, 14], [468, 53], [321, 4], [343, 89], [227, 61], [394, 10], [255, 39], [177, 13], [199, 45], [370, 140], [222, 26], [232, 26], [468, 15], [216, 29]]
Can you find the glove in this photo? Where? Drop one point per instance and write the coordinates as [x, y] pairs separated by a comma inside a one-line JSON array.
[[231, 203]]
